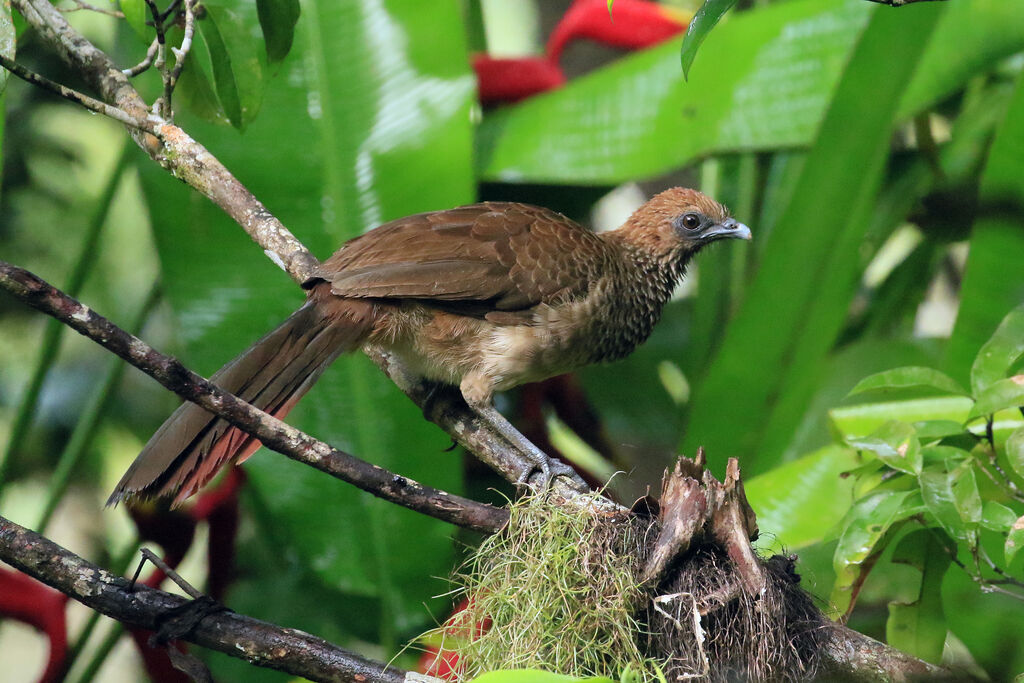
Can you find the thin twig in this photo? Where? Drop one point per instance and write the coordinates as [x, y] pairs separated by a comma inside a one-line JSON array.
[[181, 53], [75, 96], [258, 642], [80, 5], [273, 433], [146, 62], [149, 555], [163, 103]]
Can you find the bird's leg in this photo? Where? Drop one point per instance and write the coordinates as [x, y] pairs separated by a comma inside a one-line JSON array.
[[477, 389], [548, 467]]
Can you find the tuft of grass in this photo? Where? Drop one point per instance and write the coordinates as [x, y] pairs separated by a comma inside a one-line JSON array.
[[556, 590]]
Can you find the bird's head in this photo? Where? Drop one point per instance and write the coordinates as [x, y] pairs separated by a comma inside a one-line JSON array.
[[675, 224]]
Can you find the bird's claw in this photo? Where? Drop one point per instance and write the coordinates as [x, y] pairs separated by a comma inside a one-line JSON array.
[[543, 471]]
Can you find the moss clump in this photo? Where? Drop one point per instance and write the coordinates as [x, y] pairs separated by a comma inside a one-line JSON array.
[[559, 590]]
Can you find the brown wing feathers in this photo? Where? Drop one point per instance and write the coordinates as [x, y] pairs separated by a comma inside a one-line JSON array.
[[511, 256]]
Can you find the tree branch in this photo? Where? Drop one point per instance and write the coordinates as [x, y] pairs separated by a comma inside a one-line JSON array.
[[258, 642], [273, 433], [169, 145], [75, 96]]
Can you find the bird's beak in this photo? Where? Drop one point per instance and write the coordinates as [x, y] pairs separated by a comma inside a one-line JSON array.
[[728, 229]]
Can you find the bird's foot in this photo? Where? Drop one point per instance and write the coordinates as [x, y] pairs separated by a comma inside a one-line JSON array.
[[543, 471]]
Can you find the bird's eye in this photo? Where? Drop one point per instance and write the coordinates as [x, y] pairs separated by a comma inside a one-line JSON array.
[[691, 221]]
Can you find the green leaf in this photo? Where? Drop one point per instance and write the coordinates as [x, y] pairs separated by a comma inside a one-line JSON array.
[[799, 502], [837, 187], [939, 498], [945, 456], [378, 144], [864, 526], [908, 378], [991, 287], [895, 443], [137, 14], [1015, 450], [997, 517], [649, 121], [965, 494], [852, 421], [703, 21], [1000, 352], [277, 19], [1005, 393], [237, 72], [919, 627], [1014, 540], [937, 429], [195, 87]]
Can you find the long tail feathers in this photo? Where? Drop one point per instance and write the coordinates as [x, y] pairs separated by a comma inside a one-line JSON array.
[[273, 374]]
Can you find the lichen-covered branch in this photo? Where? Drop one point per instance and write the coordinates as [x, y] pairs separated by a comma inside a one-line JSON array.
[[274, 433], [258, 642]]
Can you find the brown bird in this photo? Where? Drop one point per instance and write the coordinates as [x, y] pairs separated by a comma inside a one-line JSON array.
[[484, 297]]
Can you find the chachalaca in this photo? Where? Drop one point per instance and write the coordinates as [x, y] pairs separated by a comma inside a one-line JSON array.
[[483, 297]]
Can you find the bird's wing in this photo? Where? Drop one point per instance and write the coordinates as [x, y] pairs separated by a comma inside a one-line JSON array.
[[508, 257]]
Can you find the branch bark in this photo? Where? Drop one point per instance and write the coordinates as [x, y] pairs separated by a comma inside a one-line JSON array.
[[274, 433], [258, 642]]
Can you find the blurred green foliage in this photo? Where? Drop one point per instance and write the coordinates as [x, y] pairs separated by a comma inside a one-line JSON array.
[[869, 148]]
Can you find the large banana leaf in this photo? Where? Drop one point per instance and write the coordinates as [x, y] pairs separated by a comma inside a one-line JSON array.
[[771, 357], [764, 80], [367, 120], [990, 288]]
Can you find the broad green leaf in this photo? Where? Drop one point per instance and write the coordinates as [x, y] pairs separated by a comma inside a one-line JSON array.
[[852, 421], [946, 456], [277, 19], [840, 178], [937, 429], [1000, 352], [1002, 394], [764, 81], [895, 443], [997, 517], [1014, 540], [703, 21], [195, 86], [237, 71], [939, 498], [991, 287], [919, 627], [908, 378], [799, 502], [864, 526], [137, 14], [338, 149], [965, 493], [533, 676], [1015, 451]]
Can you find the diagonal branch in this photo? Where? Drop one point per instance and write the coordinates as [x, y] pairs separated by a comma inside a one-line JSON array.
[[258, 642], [273, 433], [74, 96]]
